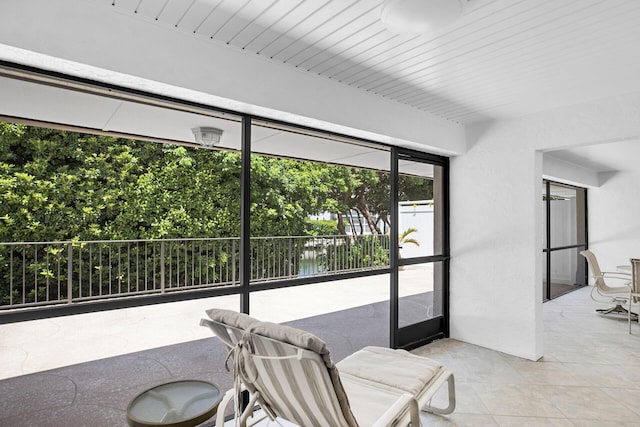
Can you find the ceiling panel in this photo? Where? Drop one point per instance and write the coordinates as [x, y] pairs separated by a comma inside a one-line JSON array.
[[622, 156], [267, 140], [151, 9], [58, 106], [346, 51], [501, 59], [344, 27], [263, 13], [174, 10], [126, 5], [190, 18], [46, 103]]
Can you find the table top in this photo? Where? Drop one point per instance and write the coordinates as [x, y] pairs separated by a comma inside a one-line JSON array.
[[175, 404]]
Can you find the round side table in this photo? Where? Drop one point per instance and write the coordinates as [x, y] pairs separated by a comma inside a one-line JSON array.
[[184, 403]]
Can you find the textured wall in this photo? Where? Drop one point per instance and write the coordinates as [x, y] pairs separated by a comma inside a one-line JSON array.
[[614, 219], [496, 268], [496, 290]]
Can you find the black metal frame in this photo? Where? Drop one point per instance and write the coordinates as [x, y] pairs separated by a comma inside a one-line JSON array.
[[548, 250], [399, 337], [418, 334], [245, 215]]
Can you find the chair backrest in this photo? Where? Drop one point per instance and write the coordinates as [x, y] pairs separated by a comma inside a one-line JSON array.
[[290, 370], [635, 279], [595, 269], [296, 380], [228, 325]]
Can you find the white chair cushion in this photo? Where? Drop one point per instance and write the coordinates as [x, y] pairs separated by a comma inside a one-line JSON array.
[[394, 369], [371, 401]]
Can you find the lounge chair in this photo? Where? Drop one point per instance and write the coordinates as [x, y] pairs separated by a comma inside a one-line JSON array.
[[290, 375], [618, 295]]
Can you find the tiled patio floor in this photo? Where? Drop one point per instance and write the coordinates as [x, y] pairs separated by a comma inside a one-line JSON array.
[[590, 375]]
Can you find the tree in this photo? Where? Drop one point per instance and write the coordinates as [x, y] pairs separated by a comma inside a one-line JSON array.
[[182, 193], [59, 185]]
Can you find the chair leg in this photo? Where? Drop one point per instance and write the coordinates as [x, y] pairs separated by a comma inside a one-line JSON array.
[[452, 400], [248, 411], [222, 406]]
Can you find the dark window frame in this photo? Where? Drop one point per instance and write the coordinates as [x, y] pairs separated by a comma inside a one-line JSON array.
[[74, 83], [548, 250]]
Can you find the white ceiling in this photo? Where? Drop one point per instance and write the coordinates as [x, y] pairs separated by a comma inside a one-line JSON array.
[[623, 156], [55, 105], [502, 58]]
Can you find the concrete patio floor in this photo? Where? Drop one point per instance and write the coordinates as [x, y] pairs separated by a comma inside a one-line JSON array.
[[38, 345]]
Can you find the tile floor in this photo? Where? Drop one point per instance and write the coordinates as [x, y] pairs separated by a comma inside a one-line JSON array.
[[590, 376]]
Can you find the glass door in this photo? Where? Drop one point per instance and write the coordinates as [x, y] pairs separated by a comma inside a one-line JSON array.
[[564, 269], [419, 284]]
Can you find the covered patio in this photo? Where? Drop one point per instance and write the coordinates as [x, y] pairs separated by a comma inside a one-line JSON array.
[[509, 95]]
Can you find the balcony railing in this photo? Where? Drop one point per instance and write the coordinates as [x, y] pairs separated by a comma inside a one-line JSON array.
[[43, 273]]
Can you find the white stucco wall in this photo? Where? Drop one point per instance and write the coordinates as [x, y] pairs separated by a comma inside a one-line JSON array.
[[614, 225], [496, 286], [496, 257]]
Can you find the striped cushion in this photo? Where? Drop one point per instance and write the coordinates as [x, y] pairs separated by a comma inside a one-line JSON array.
[[306, 391], [236, 323]]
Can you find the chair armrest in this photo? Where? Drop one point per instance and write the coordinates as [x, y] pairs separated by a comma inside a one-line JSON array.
[[614, 275], [617, 273], [405, 403]]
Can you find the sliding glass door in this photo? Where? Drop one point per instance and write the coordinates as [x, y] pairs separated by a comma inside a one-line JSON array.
[[565, 210], [419, 284]]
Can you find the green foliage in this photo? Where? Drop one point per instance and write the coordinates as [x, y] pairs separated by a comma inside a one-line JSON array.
[[284, 193], [57, 185], [321, 227], [182, 193], [404, 238], [60, 185], [358, 252]]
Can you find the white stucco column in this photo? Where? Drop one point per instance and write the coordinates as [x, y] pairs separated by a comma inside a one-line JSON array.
[[496, 284]]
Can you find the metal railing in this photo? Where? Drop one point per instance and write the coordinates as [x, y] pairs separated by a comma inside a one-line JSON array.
[[43, 273]]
